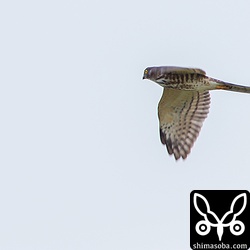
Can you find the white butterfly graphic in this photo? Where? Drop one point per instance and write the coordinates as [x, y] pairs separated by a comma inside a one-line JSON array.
[[203, 227]]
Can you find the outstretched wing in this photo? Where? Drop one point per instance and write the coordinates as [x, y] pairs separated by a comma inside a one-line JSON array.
[[181, 114]]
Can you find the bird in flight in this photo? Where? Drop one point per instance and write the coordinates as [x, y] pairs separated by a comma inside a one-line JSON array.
[[184, 104]]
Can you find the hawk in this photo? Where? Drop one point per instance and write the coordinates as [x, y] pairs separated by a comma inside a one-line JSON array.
[[184, 104]]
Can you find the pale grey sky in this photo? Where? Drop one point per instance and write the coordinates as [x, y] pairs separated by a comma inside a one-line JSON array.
[[81, 165]]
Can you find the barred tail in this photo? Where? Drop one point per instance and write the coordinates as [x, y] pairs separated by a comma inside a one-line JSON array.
[[233, 87]]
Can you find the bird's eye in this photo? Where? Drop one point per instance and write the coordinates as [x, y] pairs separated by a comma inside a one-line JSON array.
[[146, 72]]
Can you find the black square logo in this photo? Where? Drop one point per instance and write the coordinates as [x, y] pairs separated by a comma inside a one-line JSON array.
[[220, 219]]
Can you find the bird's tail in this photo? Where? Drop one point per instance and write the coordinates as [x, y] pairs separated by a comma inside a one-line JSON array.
[[233, 87]]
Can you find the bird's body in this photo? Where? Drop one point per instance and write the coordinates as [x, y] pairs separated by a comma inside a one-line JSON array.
[[184, 104], [190, 79]]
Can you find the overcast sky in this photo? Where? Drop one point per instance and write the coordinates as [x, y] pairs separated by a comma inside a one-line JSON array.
[[82, 165]]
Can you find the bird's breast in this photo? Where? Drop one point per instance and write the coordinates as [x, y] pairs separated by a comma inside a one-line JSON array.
[[183, 81]]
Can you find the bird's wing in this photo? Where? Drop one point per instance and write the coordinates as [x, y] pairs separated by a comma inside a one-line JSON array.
[[181, 70], [181, 114]]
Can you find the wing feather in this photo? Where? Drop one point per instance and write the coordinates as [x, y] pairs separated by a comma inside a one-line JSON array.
[[181, 115], [181, 70]]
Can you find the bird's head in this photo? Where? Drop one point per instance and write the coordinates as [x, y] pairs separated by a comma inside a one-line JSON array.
[[148, 73], [152, 73]]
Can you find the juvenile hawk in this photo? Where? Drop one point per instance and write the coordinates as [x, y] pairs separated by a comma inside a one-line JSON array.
[[184, 104]]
